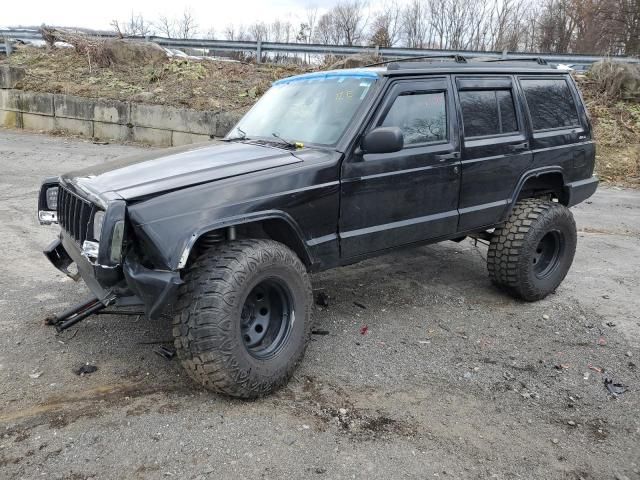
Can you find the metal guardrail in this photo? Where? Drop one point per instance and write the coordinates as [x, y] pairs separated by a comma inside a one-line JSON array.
[[261, 48]]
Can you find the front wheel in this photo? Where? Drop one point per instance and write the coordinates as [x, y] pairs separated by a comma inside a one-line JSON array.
[[532, 252], [244, 317]]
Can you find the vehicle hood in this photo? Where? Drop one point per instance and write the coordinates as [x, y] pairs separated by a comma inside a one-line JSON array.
[[164, 170]]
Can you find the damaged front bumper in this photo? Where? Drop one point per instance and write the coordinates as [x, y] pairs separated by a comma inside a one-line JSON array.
[[129, 284], [157, 289]]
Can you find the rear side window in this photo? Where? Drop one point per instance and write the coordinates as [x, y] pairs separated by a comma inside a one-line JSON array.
[[487, 112], [550, 103], [422, 117]]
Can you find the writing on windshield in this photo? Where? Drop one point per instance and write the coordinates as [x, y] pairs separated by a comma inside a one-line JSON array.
[[315, 109]]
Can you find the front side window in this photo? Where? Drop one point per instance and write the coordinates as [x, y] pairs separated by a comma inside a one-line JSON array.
[[422, 117], [488, 112], [550, 103], [312, 109]]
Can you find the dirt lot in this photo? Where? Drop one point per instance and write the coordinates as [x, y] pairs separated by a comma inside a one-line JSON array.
[[453, 379]]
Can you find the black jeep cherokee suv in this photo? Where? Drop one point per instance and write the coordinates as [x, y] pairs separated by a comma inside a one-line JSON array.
[[327, 169]]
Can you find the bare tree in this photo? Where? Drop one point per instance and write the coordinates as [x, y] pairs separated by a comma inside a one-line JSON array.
[[280, 31], [259, 32], [386, 26], [556, 27], [307, 29], [166, 27], [231, 32], [629, 11], [211, 34], [326, 32], [414, 24], [349, 21], [135, 25], [582, 26], [186, 26]]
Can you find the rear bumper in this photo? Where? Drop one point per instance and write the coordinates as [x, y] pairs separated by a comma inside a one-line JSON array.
[[576, 192], [137, 285]]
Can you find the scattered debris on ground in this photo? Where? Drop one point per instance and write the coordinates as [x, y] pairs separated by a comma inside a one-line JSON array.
[[85, 369], [165, 352], [615, 389], [322, 299]]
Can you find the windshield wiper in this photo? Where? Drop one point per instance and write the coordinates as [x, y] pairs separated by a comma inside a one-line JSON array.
[[286, 142]]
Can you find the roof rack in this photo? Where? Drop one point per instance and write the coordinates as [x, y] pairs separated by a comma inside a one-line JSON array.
[[456, 58], [538, 60]]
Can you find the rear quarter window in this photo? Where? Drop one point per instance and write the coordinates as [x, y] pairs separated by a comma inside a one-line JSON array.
[[551, 103]]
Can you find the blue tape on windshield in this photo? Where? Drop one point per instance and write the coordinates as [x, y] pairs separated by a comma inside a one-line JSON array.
[[325, 76]]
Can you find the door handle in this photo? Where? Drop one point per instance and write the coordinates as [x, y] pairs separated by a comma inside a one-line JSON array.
[[447, 156], [519, 147]]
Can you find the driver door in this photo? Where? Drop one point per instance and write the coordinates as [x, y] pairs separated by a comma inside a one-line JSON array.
[[409, 196]]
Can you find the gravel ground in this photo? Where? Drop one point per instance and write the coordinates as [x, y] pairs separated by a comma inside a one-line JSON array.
[[453, 379]]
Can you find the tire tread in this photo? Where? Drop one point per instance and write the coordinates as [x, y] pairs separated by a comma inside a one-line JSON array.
[[508, 246], [204, 320]]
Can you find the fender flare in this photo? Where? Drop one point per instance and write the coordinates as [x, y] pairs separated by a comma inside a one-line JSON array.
[[529, 174], [244, 219]]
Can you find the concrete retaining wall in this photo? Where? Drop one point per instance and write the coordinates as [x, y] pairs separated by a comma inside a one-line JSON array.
[[110, 119]]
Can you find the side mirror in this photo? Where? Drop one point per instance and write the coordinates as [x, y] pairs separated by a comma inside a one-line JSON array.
[[383, 140]]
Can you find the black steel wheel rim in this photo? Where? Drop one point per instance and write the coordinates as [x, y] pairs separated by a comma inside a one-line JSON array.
[[547, 254], [267, 318]]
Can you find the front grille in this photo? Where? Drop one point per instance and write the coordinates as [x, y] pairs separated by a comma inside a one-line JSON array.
[[74, 214]]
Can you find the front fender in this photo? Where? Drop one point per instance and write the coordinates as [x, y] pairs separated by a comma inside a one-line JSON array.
[[240, 220], [171, 241]]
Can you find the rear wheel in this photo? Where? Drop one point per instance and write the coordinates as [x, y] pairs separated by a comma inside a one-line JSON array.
[[532, 252], [244, 317]]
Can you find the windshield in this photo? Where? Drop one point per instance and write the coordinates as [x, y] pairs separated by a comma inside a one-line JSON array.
[[314, 109]]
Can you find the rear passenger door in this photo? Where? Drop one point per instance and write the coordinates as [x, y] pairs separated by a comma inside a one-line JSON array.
[[495, 147], [559, 136]]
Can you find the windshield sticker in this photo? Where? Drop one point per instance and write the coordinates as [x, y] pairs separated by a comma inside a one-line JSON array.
[[366, 86]]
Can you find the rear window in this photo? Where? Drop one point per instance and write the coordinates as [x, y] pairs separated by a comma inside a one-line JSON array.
[[487, 112], [550, 103]]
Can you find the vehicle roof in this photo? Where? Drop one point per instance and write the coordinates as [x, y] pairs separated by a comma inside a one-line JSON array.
[[401, 68]]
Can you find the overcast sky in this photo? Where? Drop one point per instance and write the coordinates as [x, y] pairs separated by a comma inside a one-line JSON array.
[[208, 13]]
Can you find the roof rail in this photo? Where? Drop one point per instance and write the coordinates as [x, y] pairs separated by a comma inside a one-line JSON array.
[[538, 60], [457, 59]]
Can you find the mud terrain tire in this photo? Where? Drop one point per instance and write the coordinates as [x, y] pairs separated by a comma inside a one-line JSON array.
[[227, 288], [532, 252]]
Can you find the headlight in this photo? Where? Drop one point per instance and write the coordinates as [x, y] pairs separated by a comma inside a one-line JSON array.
[[52, 198], [98, 220], [116, 242]]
